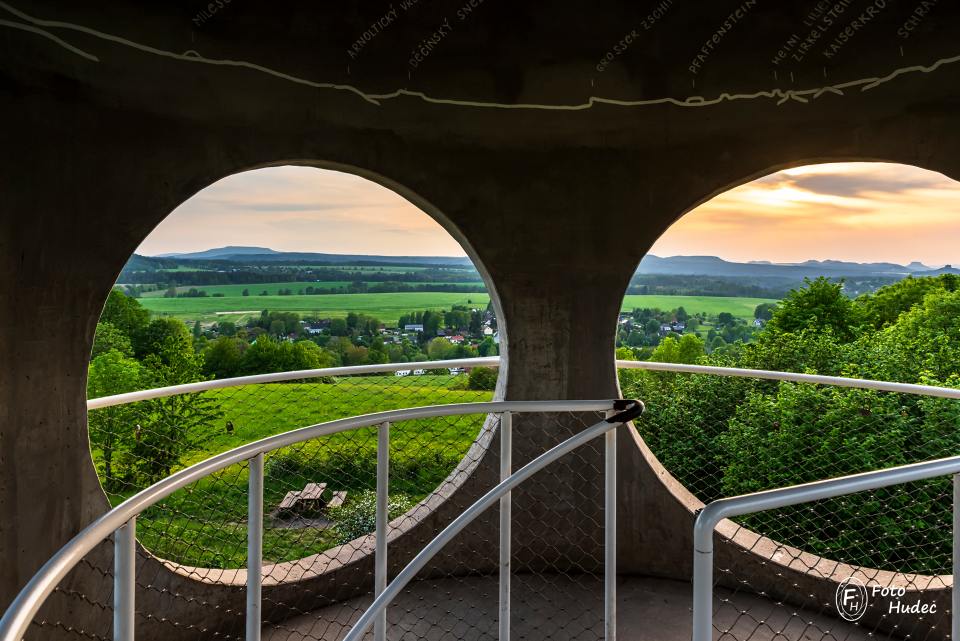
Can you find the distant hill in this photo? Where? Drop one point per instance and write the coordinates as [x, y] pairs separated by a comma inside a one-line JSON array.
[[266, 255], [715, 266], [221, 253]]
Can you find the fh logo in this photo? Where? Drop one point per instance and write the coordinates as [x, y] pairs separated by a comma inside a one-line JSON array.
[[851, 599]]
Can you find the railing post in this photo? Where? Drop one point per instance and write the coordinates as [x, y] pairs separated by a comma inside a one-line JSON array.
[[610, 534], [955, 592], [702, 591], [124, 580], [380, 559], [254, 547], [506, 468]]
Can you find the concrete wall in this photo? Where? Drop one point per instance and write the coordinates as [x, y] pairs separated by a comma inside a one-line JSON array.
[[103, 139]]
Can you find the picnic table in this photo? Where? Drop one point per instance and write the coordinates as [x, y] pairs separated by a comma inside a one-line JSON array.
[[310, 500]]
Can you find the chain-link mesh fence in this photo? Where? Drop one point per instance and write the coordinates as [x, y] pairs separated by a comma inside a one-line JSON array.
[[723, 436], [556, 550], [776, 572], [137, 444], [319, 504]]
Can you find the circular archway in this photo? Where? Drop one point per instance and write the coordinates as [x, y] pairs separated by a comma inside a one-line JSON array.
[[839, 269], [209, 296]]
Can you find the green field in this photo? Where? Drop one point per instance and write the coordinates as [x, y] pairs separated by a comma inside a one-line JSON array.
[[711, 305], [204, 524], [387, 307], [237, 290]]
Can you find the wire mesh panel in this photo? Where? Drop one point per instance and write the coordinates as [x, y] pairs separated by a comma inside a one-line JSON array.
[[320, 505], [319, 498], [724, 436], [557, 579], [137, 444], [772, 590]]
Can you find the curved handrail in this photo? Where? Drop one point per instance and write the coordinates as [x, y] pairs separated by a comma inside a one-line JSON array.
[[494, 361], [483, 503], [714, 512], [23, 608], [793, 377], [281, 377]]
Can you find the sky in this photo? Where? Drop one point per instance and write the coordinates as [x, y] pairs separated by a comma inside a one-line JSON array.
[[863, 212], [301, 209]]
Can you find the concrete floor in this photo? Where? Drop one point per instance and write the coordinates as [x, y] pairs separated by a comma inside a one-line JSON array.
[[565, 608]]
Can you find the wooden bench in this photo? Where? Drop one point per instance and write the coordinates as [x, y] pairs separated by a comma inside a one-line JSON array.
[[337, 499]]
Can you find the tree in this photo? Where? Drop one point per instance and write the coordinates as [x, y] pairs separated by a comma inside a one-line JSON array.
[[726, 319], [885, 305], [108, 337], [222, 357], [431, 323], [338, 327], [173, 423], [124, 313], [113, 429], [227, 328], [687, 349], [487, 347], [197, 330], [439, 349], [246, 292], [268, 355], [764, 311], [819, 305], [166, 336]]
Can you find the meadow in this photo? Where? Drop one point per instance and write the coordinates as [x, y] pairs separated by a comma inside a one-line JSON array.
[[204, 525], [711, 305], [387, 307]]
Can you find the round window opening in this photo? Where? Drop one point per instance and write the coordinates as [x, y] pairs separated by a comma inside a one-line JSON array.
[[840, 269], [272, 271]]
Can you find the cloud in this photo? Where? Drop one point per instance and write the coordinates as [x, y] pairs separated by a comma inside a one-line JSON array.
[[301, 209], [852, 211]]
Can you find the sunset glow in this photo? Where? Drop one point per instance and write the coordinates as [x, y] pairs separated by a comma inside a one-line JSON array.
[[845, 211]]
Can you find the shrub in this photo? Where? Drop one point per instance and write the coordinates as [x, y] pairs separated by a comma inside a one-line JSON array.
[[358, 516], [482, 378]]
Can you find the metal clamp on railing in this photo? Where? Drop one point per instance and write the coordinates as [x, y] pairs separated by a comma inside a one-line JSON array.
[[629, 410]]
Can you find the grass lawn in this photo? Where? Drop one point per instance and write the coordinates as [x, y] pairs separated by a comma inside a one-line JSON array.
[[387, 307], [205, 524], [711, 305]]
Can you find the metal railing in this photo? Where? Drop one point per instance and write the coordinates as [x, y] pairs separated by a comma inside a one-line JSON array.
[[121, 521], [710, 517], [125, 529], [494, 362]]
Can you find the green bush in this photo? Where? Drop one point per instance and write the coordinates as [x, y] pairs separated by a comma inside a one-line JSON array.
[[482, 378], [358, 516]]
